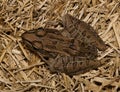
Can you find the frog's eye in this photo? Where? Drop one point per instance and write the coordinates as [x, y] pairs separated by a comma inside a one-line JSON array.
[[41, 32]]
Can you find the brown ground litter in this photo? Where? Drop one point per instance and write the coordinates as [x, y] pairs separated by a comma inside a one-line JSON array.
[[23, 71]]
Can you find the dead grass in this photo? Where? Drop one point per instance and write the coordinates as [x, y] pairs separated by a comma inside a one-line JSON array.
[[22, 71]]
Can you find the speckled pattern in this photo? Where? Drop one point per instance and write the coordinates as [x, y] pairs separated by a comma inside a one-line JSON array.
[[71, 54]]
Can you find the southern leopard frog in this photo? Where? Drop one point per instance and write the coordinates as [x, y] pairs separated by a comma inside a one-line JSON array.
[[71, 54]]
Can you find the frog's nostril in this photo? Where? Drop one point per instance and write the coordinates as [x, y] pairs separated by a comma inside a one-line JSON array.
[[46, 58]]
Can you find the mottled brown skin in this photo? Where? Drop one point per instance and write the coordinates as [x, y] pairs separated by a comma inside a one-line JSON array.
[[82, 31], [71, 54], [73, 65], [50, 42]]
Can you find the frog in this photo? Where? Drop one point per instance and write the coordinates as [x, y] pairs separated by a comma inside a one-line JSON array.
[[72, 54]]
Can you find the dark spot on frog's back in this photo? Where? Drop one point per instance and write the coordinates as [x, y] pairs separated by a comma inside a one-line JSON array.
[[88, 36], [83, 34]]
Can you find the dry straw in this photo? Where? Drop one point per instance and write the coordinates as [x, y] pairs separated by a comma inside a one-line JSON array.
[[23, 71]]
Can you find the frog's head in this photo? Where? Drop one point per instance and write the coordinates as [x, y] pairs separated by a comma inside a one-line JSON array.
[[34, 40]]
